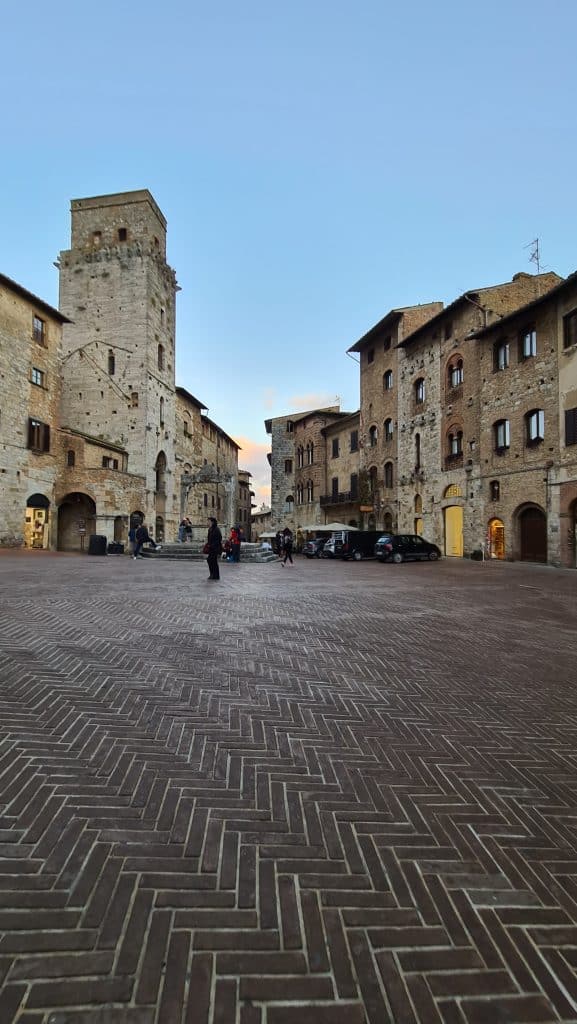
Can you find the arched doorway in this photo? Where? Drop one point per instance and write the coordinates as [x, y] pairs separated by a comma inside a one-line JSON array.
[[388, 522], [496, 539], [371, 522], [120, 530], [533, 534], [76, 521], [453, 523], [36, 522]]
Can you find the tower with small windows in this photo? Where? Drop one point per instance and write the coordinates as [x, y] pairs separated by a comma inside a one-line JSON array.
[[118, 371]]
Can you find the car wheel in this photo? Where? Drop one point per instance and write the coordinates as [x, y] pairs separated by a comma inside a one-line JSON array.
[[433, 556], [397, 558], [357, 556]]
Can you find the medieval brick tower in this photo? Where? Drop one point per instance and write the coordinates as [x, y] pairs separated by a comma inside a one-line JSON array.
[[119, 351]]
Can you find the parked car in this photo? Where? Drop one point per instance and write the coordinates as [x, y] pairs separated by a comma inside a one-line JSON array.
[[405, 547], [314, 548], [332, 547], [358, 544]]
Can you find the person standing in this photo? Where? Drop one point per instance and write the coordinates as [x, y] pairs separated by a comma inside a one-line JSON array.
[[182, 531], [213, 548], [235, 543], [287, 546]]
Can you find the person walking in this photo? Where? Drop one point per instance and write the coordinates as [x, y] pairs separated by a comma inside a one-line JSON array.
[[213, 549], [142, 537], [182, 531], [235, 543], [287, 546]]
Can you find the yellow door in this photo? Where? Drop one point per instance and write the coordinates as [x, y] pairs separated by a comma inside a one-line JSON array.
[[454, 531]]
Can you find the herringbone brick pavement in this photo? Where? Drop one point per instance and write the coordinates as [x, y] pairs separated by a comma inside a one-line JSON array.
[[332, 794]]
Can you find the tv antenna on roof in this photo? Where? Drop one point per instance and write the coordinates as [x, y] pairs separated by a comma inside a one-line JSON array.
[[534, 255]]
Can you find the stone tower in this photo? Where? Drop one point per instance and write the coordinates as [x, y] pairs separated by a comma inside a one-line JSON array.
[[119, 351]]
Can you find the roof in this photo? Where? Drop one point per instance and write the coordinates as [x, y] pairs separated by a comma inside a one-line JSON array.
[[295, 417], [33, 299], [473, 294], [190, 398], [523, 310], [388, 321], [98, 441], [352, 416], [223, 433]]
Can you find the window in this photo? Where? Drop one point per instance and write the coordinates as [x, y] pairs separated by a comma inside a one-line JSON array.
[[96, 237], [418, 504], [162, 314], [373, 437], [354, 486], [527, 343], [288, 504], [289, 426], [111, 364], [122, 234], [500, 355], [570, 329], [161, 412], [388, 429], [535, 426], [288, 465], [300, 457], [335, 487], [310, 491], [388, 380], [37, 377], [70, 458], [38, 330], [336, 451], [38, 436], [455, 439], [570, 426], [494, 490], [387, 343], [205, 497], [417, 451], [456, 373], [161, 357], [388, 475], [354, 440], [134, 400], [310, 453], [371, 355], [501, 435], [420, 391], [373, 482], [109, 463], [300, 494]]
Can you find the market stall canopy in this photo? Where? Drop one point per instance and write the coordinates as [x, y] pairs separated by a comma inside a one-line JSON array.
[[328, 528], [266, 536]]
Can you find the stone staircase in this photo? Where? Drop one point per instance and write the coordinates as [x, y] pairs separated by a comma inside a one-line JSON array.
[[192, 551]]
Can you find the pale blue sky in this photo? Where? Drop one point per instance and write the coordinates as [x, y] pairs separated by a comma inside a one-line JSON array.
[[318, 164]]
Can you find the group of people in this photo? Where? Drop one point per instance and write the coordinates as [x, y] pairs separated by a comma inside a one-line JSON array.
[[184, 530]]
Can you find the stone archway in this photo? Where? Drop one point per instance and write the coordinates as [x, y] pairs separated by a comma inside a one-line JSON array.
[[36, 525], [76, 521], [496, 539], [532, 523]]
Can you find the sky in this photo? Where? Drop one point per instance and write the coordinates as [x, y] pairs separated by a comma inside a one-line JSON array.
[[319, 163]]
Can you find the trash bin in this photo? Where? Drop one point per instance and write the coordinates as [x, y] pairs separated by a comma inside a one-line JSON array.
[[97, 544], [115, 548]]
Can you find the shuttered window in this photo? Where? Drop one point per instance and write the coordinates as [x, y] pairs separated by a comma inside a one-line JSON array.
[[38, 436], [570, 426]]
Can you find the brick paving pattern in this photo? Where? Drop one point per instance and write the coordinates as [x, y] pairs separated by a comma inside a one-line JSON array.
[[331, 794]]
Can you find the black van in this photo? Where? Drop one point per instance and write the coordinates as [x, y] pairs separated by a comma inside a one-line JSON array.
[[357, 545]]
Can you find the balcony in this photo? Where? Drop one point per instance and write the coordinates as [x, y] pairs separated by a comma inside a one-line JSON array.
[[342, 498], [454, 460]]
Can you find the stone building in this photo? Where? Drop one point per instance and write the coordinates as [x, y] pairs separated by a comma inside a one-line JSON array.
[[341, 500], [244, 507], [30, 393], [438, 486], [310, 474], [95, 436], [527, 478], [282, 460], [379, 357]]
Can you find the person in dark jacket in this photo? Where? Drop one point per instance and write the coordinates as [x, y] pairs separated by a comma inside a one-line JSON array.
[[213, 548], [287, 543], [142, 537]]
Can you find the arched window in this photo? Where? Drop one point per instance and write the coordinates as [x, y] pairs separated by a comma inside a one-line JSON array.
[[373, 436], [389, 430], [535, 426], [310, 453], [417, 451], [495, 490], [300, 457], [453, 491], [300, 494], [161, 412], [71, 458], [111, 364], [455, 372], [187, 425], [418, 504], [455, 443], [161, 357], [310, 491], [388, 475], [160, 473], [289, 503], [388, 380], [420, 391]]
